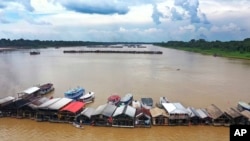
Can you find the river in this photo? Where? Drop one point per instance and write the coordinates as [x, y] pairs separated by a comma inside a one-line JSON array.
[[193, 79]]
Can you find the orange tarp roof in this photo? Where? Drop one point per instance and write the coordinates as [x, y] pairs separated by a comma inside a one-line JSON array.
[[74, 106]]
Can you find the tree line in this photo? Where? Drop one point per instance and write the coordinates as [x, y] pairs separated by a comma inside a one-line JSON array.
[[22, 43], [239, 46]]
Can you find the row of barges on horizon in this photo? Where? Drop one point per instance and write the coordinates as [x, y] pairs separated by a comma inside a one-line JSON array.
[[113, 51], [117, 111]]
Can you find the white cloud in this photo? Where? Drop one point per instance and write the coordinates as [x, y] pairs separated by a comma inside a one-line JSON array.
[[140, 20], [46, 7], [152, 30], [231, 27], [188, 28]]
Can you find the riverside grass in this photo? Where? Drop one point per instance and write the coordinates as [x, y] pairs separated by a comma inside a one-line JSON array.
[[215, 52]]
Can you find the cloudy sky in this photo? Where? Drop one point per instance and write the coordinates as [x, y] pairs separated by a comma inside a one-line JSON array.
[[125, 20]]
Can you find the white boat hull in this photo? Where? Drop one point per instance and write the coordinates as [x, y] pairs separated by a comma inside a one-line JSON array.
[[136, 104], [88, 98]]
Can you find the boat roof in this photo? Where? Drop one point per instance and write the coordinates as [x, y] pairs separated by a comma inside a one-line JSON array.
[[88, 112], [73, 107], [31, 90], [74, 90], [46, 86], [233, 113], [214, 111], [6, 99], [163, 99], [202, 113], [246, 114], [60, 103], [34, 104], [147, 101], [143, 111], [126, 97], [192, 112], [87, 95], [119, 110], [130, 111], [155, 112], [18, 103], [114, 97], [125, 109], [244, 104], [136, 104], [48, 103], [106, 109], [175, 108]]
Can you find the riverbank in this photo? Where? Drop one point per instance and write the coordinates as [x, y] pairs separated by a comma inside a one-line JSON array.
[[6, 49], [215, 52]]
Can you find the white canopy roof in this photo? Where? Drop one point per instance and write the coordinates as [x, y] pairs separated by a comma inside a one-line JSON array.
[[130, 111], [60, 103], [48, 103], [202, 113], [6, 99], [175, 108], [127, 110], [119, 110], [31, 90]]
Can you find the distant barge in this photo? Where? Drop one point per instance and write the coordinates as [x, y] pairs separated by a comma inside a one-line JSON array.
[[112, 51]]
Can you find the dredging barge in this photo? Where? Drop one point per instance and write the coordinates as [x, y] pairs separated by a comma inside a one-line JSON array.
[[112, 51]]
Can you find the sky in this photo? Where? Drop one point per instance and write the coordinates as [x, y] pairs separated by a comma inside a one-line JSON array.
[[125, 20]]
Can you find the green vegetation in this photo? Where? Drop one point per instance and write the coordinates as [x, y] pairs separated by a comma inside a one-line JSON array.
[[232, 49], [22, 43]]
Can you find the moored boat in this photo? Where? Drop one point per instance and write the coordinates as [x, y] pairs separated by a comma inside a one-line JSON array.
[[136, 104], [77, 125], [34, 53], [75, 93], [88, 97], [114, 99], [243, 106], [147, 103], [46, 88], [126, 100], [162, 100]]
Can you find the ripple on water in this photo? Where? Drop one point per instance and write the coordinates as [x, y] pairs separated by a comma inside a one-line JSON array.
[[25, 129]]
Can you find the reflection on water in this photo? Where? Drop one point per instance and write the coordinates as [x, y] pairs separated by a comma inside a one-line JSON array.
[[24, 129], [192, 79]]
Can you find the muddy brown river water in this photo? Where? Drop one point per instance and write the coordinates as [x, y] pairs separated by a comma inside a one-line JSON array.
[[193, 79]]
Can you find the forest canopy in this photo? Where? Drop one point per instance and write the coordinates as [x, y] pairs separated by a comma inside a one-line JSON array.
[[234, 49], [241, 46]]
